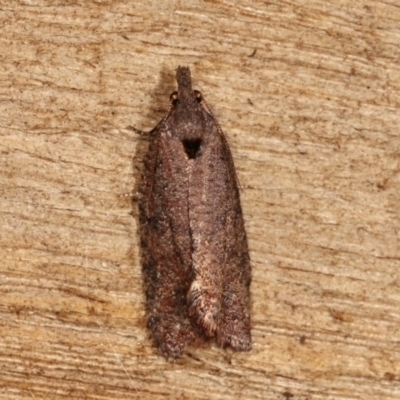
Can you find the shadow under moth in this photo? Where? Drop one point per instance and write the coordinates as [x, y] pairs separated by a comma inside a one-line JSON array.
[[195, 257]]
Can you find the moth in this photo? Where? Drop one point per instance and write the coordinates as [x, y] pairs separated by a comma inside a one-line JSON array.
[[196, 263]]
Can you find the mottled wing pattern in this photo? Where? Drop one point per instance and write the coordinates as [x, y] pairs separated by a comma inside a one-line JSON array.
[[165, 251], [219, 295], [195, 257]]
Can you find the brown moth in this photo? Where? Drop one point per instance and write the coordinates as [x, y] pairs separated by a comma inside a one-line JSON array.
[[196, 263]]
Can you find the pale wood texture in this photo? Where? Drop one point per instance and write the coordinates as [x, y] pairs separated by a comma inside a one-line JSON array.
[[308, 94]]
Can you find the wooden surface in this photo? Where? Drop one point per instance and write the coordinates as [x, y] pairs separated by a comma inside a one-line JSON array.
[[308, 94]]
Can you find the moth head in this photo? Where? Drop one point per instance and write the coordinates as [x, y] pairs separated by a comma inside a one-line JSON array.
[[174, 97]]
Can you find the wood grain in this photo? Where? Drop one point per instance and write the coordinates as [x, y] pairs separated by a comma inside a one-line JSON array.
[[308, 95]]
